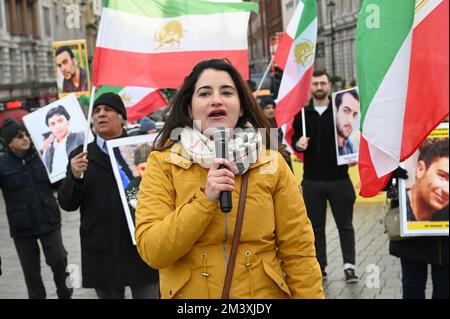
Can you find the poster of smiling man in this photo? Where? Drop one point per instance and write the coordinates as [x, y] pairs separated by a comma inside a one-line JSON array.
[[56, 130], [72, 69], [347, 114], [424, 195], [129, 159]]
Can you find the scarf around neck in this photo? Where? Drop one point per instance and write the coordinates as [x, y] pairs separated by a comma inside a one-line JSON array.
[[244, 147]]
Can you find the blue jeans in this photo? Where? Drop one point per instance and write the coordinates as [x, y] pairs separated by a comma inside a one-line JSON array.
[[414, 279]]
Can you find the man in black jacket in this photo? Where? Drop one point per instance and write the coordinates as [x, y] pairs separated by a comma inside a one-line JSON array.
[[323, 179], [110, 261], [33, 213]]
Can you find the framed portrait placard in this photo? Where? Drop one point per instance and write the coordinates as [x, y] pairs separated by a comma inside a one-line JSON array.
[[424, 195], [56, 130], [129, 159], [347, 116], [72, 68]]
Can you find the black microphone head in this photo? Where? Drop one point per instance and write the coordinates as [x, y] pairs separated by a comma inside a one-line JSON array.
[[221, 136]]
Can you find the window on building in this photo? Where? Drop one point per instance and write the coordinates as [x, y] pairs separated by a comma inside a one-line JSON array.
[[51, 66], [8, 28], [28, 66], [47, 21], [1, 15], [290, 5], [56, 11], [15, 76], [19, 20], [3, 66], [320, 50]]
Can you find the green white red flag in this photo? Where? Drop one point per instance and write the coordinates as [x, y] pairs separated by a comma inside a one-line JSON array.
[[156, 43], [139, 102], [295, 56], [403, 74]]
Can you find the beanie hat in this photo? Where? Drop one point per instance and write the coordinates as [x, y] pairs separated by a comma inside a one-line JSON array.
[[10, 130], [266, 100], [114, 101], [147, 124]]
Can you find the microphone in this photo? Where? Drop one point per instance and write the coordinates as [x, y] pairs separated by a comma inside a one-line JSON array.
[[221, 144]]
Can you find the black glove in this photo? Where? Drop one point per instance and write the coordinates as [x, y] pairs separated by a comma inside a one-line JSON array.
[[400, 173]]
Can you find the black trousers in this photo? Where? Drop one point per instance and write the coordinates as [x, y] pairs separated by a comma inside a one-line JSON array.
[[138, 292], [414, 279], [55, 256], [341, 196]]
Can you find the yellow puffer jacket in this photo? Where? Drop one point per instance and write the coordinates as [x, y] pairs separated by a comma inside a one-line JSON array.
[[180, 231]]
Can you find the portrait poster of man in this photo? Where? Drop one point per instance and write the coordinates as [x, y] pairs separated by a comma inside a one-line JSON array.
[[129, 159], [347, 115], [72, 68], [424, 195], [56, 130]]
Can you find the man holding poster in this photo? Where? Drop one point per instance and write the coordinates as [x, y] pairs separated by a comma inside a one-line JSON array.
[[324, 181], [110, 261]]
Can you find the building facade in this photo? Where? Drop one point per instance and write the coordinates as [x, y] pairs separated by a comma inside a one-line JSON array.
[[263, 34], [335, 50], [27, 30]]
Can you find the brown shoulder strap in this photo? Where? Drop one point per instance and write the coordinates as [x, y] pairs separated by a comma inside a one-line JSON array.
[[236, 238]]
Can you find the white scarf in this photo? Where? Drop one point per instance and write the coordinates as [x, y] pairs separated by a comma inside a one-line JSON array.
[[244, 147]]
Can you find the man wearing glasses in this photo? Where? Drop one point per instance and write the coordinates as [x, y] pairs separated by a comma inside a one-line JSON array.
[[33, 213], [323, 179]]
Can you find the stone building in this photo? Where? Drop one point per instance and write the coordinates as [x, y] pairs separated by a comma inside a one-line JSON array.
[[335, 51], [27, 30]]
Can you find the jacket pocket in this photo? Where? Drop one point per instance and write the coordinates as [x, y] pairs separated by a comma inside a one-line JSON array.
[[173, 280], [40, 173], [281, 283], [13, 181], [20, 219], [52, 210]]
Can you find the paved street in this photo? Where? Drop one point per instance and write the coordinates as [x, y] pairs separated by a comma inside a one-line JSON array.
[[372, 258]]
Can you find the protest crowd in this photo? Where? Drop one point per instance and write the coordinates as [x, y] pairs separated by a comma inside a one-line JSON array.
[[207, 203]]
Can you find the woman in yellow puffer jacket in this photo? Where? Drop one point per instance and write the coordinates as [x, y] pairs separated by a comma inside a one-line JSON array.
[[180, 229]]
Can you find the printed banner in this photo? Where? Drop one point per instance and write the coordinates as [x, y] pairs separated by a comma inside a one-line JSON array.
[[129, 159], [56, 130], [72, 68], [424, 195], [347, 115]]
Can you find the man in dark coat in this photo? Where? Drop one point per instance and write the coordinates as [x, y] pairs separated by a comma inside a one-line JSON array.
[[33, 213], [110, 261]]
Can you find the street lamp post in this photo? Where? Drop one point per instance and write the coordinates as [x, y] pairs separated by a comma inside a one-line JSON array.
[[331, 5]]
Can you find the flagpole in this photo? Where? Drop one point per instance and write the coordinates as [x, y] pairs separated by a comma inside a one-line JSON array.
[[89, 120], [264, 76]]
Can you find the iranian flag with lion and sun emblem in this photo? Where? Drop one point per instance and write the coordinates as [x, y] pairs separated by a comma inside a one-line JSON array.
[[295, 55], [156, 43]]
